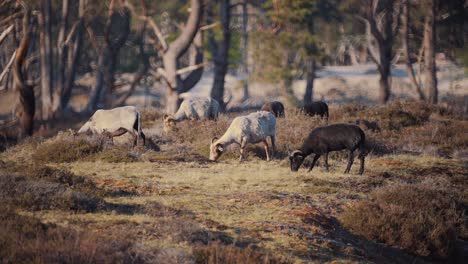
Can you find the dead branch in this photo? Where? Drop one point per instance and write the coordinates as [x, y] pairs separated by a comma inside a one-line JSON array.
[[5, 33], [6, 70]]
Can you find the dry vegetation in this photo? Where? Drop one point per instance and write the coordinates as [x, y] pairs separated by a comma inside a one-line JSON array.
[[82, 199]]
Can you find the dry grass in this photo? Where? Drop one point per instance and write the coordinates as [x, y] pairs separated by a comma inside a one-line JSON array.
[[419, 218], [174, 206]]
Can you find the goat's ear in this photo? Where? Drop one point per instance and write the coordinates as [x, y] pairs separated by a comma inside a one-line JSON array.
[[220, 147], [214, 139]]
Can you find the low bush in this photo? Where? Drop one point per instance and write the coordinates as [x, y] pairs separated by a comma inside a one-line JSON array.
[[25, 239], [66, 150], [218, 253], [418, 218]]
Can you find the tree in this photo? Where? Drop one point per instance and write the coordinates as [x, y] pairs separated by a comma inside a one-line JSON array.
[[26, 91], [382, 18], [171, 73], [405, 22], [114, 38], [221, 56], [429, 41], [291, 43]]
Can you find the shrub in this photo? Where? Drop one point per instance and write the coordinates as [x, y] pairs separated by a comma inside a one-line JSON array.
[[66, 150], [40, 195], [116, 154], [418, 218], [218, 253], [26, 240]]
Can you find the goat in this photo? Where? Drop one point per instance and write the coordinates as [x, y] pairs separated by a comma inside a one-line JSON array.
[[275, 107], [316, 108], [252, 128], [192, 108], [116, 122], [323, 140]]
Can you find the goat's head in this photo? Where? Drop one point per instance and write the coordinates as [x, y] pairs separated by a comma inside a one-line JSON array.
[[169, 123], [216, 149], [296, 158]]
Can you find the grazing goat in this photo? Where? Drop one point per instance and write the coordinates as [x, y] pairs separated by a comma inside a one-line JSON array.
[[252, 128], [275, 107], [316, 108], [192, 108], [116, 122], [334, 137]]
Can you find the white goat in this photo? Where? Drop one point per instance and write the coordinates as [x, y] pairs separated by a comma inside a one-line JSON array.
[[192, 108], [252, 128], [115, 122]]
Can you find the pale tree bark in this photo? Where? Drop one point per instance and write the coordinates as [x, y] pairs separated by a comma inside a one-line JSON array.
[[221, 58], [430, 82], [310, 77], [108, 57], [26, 92], [46, 59], [173, 53], [405, 40]]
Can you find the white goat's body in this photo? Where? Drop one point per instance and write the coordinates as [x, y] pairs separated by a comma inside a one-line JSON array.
[[197, 108], [115, 121], [253, 128]]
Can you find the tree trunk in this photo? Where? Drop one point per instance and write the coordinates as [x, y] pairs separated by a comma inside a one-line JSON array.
[[175, 50], [61, 57], [108, 57], [430, 82], [144, 66], [310, 77], [405, 40], [245, 44], [74, 51], [46, 59], [384, 36], [222, 56], [27, 103]]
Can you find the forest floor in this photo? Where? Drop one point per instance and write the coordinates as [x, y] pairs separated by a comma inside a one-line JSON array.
[[79, 199]]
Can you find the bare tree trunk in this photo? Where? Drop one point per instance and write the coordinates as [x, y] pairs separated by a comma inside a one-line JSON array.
[[310, 77], [46, 59], [27, 103], [430, 82], [405, 40], [384, 35], [221, 59], [72, 59], [245, 53], [175, 50], [61, 56], [141, 71], [108, 58]]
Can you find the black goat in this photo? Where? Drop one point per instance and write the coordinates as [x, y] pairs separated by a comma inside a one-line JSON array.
[[275, 107], [316, 108], [334, 137]]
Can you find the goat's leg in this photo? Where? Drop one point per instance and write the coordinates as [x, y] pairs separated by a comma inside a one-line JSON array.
[[326, 161], [242, 148], [362, 156], [350, 161], [316, 157], [117, 133], [273, 146], [267, 149]]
